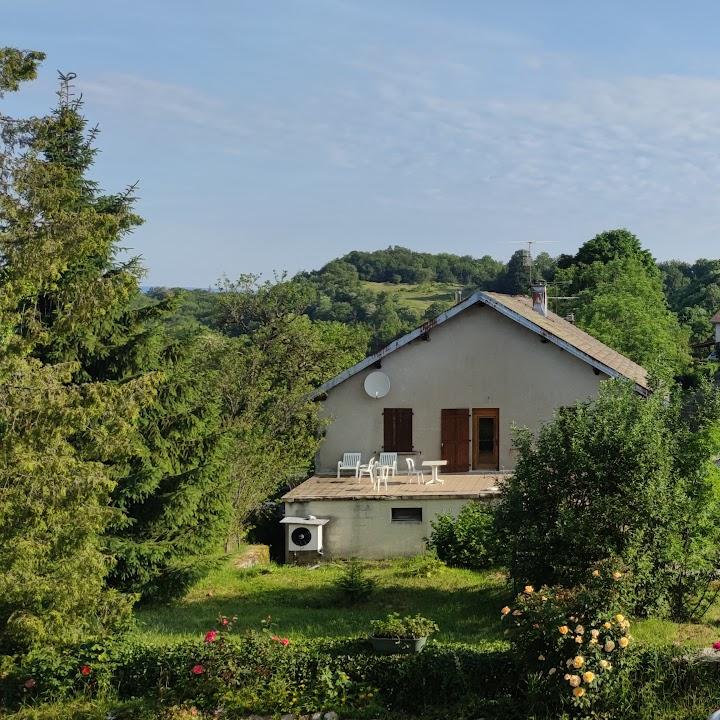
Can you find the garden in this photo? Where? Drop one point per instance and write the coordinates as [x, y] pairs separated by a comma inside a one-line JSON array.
[[281, 639], [558, 602], [137, 448]]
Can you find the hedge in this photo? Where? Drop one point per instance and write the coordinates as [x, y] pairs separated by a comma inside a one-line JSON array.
[[443, 679]]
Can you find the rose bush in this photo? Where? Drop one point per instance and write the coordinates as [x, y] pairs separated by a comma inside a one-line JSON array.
[[572, 641]]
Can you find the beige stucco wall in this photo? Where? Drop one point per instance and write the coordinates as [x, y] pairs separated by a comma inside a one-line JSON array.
[[363, 528], [478, 359]]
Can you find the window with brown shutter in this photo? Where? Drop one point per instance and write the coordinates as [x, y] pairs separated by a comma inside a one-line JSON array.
[[397, 435]]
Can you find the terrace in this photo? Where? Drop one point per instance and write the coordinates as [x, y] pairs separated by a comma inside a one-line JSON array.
[[471, 485]]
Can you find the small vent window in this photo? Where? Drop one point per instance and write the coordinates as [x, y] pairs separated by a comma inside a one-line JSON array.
[[406, 514]]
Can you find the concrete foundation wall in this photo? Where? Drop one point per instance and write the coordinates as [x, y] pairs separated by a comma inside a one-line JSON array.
[[478, 359], [364, 528]]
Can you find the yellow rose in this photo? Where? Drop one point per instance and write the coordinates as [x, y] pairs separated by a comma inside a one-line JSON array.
[[620, 618], [609, 646], [505, 610], [595, 633], [617, 575], [574, 680], [604, 664], [578, 661], [578, 692], [607, 625], [588, 676], [567, 676], [529, 590], [563, 629], [579, 629], [593, 641], [578, 639], [541, 657], [623, 642], [596, 573]]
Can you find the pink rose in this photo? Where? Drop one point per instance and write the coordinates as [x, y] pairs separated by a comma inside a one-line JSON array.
[[198, 670], [716, 645], [210, 636], [85, 670]]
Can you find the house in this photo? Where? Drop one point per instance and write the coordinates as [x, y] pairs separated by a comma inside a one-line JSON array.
[[715, 320], [452, 389]]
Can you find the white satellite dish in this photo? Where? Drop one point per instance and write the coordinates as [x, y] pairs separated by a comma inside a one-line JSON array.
[[377, 384]]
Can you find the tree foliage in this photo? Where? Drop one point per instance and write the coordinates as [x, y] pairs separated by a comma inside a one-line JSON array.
[[619, 299], [626, 309], [621, 477], [270, 358], [59, 431]]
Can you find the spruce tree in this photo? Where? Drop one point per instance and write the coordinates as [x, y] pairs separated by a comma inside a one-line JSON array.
[[171, 488], [58, 433]]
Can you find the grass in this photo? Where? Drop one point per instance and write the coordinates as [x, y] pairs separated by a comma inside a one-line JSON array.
[[664, 632], [417, 297], [305, 604]]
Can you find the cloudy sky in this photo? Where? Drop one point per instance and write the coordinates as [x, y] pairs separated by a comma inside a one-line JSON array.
[[278, 134]]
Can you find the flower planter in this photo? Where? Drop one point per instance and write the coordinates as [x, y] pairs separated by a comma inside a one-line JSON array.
[[397, 646]]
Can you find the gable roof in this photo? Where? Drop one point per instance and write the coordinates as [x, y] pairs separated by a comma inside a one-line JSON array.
[[519, 308]]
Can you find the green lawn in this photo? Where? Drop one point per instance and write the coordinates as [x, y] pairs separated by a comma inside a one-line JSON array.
[[304, 603], [417, 297]]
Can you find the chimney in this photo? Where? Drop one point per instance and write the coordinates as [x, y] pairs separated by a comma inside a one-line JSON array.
[[539, 298]]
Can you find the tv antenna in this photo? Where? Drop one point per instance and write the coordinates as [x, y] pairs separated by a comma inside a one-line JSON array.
[[528, 254]]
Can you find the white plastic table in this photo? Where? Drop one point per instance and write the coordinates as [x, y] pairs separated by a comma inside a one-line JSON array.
[[434, 465]]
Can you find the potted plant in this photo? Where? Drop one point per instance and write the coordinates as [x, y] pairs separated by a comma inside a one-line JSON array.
[[395, 634]]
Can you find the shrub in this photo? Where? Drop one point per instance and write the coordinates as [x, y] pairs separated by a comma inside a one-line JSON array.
[[353, 584], [254, 673], [468, 540], [621, 476], [572, 641], [421, 566], [410, 626]]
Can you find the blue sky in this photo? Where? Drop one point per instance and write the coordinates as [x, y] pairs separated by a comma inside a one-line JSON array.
[[271, 135]]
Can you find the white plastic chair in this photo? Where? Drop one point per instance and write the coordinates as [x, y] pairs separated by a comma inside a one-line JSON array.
[[413, 471], [380, 475], [367, 469], [389, 459], [350, 461]]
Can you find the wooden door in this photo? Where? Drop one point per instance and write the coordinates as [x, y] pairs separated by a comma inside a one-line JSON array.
[[455, 439], [486, 438]]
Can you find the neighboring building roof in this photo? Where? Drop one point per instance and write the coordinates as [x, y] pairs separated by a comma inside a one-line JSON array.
[[519, 308], [462, 485], [715, 318]]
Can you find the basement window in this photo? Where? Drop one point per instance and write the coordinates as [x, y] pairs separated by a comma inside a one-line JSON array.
[[406, 514]]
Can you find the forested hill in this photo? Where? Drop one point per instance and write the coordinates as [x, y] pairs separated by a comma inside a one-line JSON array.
[[612, 279]]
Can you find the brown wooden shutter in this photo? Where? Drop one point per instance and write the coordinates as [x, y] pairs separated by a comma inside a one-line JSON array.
[[397, 430]]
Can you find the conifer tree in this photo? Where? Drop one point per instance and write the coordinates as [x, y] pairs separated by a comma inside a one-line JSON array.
[[170, 484], [58, 433]]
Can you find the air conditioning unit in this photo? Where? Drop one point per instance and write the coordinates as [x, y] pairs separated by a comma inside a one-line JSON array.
[[305, 534]]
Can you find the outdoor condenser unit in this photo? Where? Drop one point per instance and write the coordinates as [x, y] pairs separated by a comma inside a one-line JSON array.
[[305, 534]]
